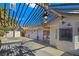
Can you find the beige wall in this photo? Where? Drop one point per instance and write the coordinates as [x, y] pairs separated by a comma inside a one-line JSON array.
[[17, 34], [33, 34], [65, 45], [10, 34]]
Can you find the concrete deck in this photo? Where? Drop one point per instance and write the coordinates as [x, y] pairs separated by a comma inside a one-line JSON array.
[[38, 48]]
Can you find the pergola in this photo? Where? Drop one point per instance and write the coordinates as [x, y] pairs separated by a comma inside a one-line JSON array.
[[32, 14]]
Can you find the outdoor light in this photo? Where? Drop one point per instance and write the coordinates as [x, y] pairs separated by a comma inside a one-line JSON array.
[[45, 15], [62, 19], [63, 22]]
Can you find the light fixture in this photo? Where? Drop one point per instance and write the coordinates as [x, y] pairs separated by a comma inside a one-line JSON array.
[[45, 15], [62, 19], [63, 22]]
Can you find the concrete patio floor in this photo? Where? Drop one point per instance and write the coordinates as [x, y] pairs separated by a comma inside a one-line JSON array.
[[38, 48]]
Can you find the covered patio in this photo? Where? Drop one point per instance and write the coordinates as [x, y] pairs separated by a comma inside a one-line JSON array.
[[55, 24]]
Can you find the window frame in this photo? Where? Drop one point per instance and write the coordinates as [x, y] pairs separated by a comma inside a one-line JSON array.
[[66, 34]]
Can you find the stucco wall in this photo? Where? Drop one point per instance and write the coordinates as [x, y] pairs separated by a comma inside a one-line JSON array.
[[10, 34], [52, 36], [17, 34], [65, 45], [33, 34]]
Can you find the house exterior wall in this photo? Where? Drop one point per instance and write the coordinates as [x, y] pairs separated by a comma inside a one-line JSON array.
[[52, 36], [10, 34], [33, 34], [76, 36], [17, 34], [65, 45]]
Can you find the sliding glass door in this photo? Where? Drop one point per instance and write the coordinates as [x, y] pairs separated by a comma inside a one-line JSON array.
[[65, 34]]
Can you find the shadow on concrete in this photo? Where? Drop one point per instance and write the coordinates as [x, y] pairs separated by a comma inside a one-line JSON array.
[[39, 42], [42, 42], [46, 44], [71, 53]]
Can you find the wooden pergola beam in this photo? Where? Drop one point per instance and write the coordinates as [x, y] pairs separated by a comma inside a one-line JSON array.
[[49, 10], [64, 4], [64, 9]]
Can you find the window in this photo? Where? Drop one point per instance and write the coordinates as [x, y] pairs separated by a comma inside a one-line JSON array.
[[65, 34]]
